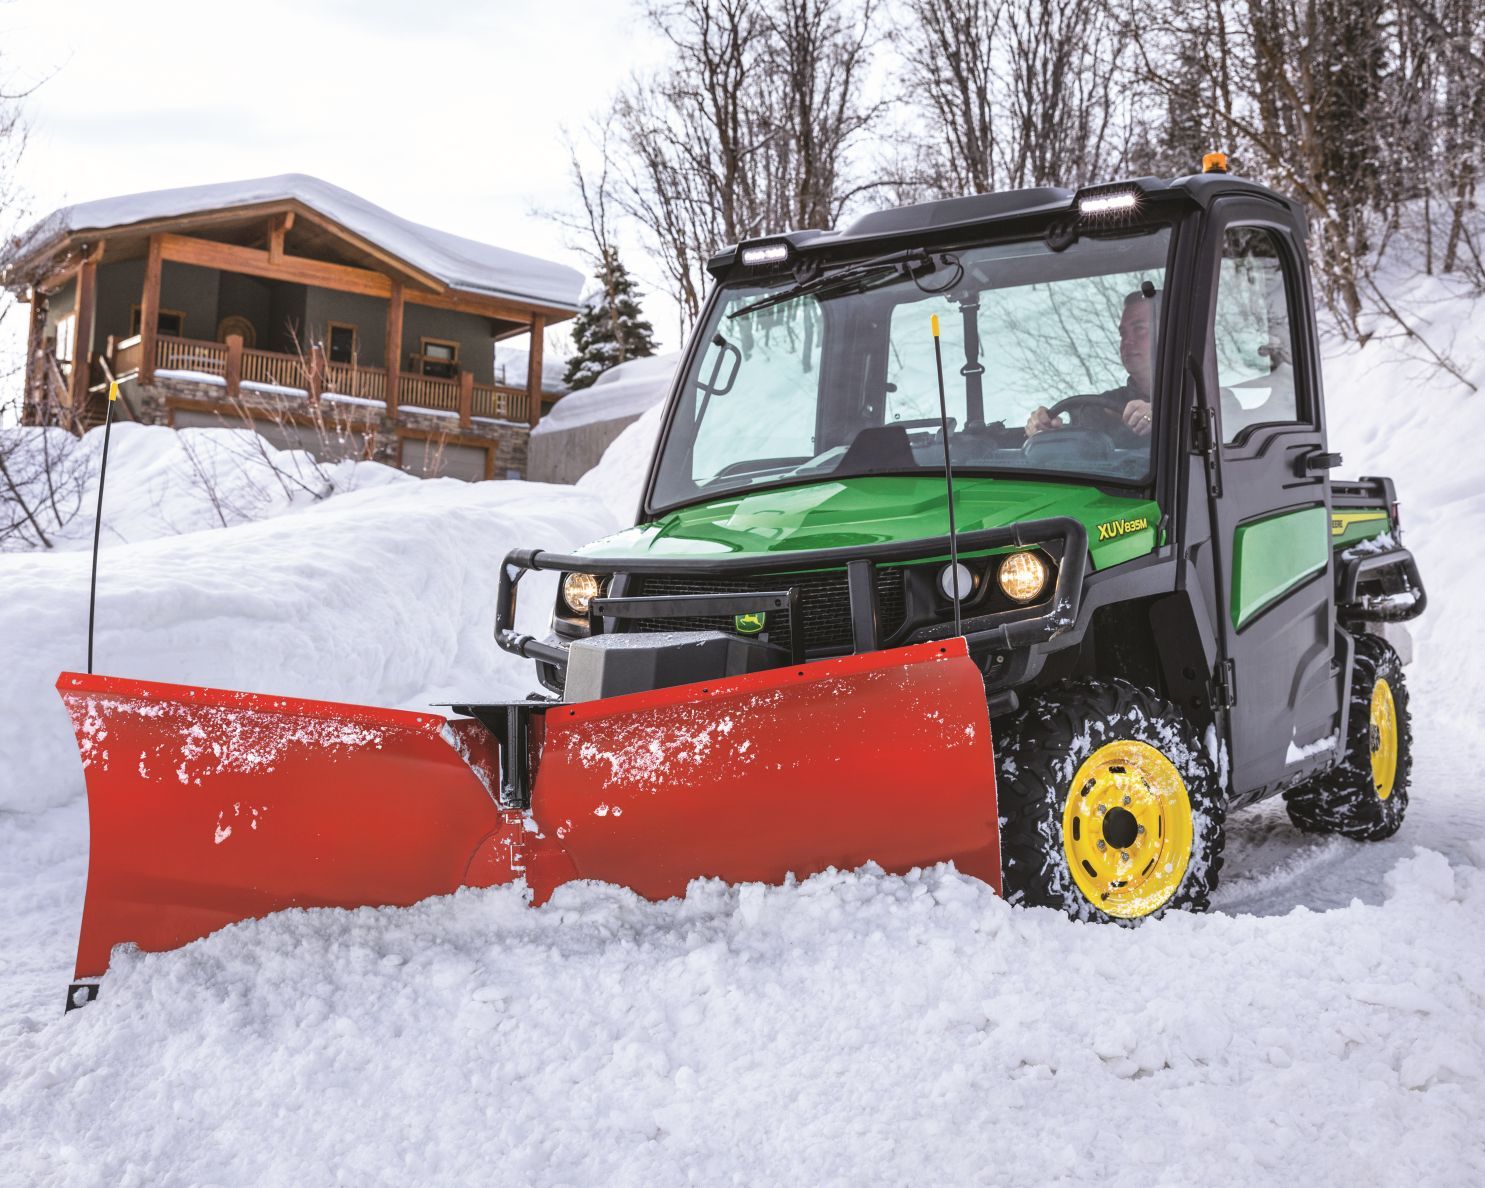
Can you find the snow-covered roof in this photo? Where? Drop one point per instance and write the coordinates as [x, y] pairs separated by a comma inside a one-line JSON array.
[[463, 264]]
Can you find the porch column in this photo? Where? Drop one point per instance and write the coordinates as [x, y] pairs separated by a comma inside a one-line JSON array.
[[232, 373], [87, 288], [149, 312], [33, 379], [316, 373], [393, 351], [466, 398], [533, 369]]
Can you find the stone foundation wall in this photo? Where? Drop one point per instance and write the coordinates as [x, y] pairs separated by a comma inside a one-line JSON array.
[[343, 428]]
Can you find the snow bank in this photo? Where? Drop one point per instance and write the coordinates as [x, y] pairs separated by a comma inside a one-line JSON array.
[[619, 478], [853, 1029], [165, 482], [1391, 411], [383, 595]]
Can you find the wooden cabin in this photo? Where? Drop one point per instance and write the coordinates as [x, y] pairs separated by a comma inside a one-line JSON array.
[[293, 307]]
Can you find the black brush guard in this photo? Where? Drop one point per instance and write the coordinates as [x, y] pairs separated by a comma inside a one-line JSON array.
[[1063, 538]]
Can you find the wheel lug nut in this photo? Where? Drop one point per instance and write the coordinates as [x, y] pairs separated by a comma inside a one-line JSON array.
[[1126, 800], [1103, 845], [1123, 856], [1103, 808], [1142, 831]]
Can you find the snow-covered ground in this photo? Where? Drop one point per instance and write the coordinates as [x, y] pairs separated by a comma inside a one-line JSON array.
[[1322, 1026]]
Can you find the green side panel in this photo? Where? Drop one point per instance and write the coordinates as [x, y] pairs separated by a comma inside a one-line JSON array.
[[1272, 556], [880, 510], [1357, 523]]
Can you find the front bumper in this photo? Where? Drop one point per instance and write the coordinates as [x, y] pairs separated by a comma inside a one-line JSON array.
[[1064, 539]]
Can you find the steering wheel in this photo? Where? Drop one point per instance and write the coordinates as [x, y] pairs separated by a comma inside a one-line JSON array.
[[1078, 444], [1110, 404]]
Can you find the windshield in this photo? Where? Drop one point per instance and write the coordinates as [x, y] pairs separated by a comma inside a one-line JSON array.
[[1048, 357]]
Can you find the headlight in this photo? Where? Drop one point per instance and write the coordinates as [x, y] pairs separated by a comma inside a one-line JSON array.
[[1022, 576], [579, 590], [959, 575]]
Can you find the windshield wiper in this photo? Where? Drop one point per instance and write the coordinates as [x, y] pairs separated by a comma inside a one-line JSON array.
[[858, 277]]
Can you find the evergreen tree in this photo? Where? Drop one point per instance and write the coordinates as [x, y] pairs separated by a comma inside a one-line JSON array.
[[610, 329]]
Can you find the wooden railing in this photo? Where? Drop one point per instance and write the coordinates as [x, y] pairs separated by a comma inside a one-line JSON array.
[[189, 354], [460, 396], [501, 402], [369, 383], [423, 391], [269, 367]]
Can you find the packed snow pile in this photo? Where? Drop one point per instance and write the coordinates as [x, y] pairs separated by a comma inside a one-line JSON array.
[[627, 390], [383, 594], [583, 426]]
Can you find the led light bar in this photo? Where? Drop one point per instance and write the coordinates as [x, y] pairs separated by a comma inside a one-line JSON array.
[[765, 253], [1114, 203]]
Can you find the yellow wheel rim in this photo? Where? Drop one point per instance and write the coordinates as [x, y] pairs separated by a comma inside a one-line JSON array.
[[1127, 829], [1383, 739]]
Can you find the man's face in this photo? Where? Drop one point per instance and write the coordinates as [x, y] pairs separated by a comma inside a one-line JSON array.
[[1134, 345]]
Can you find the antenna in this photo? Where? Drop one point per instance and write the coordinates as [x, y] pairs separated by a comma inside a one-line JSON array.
[[943, 418], [113, 394]]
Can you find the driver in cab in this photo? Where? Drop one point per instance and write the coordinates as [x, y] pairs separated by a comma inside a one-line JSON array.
[[1129, 405]]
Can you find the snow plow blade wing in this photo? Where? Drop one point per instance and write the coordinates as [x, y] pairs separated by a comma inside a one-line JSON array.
[[882, 757], [207, 807]]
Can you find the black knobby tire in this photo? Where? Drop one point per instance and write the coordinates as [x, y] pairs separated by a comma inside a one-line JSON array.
[[1345, 799], [1042, 749]]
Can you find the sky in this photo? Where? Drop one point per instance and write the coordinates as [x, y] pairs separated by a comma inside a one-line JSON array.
[[447, 114]]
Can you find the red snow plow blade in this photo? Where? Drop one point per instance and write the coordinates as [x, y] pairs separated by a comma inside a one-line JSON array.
[[208, 807]]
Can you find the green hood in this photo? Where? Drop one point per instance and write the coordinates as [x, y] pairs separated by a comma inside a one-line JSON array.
[[880, 510]]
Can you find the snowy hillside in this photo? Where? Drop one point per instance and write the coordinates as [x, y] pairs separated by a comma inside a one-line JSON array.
[[1322, 1026]]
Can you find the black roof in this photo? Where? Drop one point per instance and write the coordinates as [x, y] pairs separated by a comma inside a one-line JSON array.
[[924, 217]]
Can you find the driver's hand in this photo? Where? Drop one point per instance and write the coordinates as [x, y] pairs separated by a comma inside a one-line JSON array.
[[1042, 420], [1137, 417]]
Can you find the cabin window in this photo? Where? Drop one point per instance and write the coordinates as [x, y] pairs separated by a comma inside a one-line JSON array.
[[438, 357], [341, 342], [170, 322], [1251, 334]]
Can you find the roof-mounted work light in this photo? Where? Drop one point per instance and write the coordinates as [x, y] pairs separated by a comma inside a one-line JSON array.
[[761, 255], [1107, 202]]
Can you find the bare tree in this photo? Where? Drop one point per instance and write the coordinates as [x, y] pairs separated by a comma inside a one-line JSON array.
[[42, 472], [1018, 93], [946, 47], [753, 126], [1063, 104], [817, 51], [1295, 88], [12, 211]]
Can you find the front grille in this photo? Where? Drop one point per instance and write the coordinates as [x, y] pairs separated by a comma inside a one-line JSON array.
[[824, 602]]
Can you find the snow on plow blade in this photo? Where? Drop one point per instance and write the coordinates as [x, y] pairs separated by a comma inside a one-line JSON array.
[[207, 806], [880, 757]]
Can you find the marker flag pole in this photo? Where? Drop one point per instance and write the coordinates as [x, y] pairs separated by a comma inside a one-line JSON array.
[[113, 394], [943, 417]]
